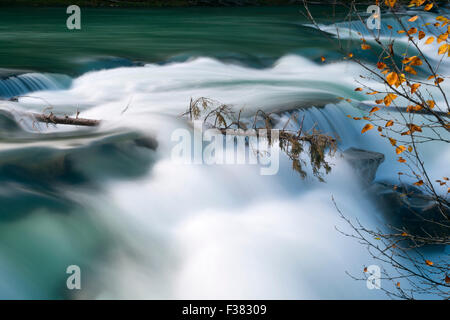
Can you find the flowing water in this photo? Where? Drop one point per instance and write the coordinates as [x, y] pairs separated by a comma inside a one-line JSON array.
[[140, 225]]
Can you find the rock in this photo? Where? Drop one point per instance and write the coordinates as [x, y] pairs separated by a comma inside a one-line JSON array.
[[408, 207], [364, 162]]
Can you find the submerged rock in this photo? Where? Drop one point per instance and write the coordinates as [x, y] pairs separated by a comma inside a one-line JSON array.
[[364, 162], [408, 207]]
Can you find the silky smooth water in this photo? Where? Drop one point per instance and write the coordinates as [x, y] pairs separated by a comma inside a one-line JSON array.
[[142, 226]]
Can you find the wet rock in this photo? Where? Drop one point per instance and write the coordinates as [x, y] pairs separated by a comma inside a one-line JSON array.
[[364, 162], [408, 207]]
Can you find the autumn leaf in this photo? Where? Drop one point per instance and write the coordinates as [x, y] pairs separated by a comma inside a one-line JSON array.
[[429, 40], [412, 19], [389, 123], [389, 98], [374, 109], [400, 159], [365, 269], [392, 78], [400, 149], [413, 128], [414, 87], [358, 89], [431, 104], [410, 149], [428, 7], [367, 127], [438, 80], [398, 284], [404, 234], [428, 262], [381, 65], [323, 59], [410, 70], [372, 93], [390, 3], [421, 35], [447, 279], [393, 141], [443, 48], [418, 183], [365, 46], [442, 37], [412, 31]]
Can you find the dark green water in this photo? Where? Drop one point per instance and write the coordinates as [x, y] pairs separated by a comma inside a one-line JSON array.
[[38, 39]]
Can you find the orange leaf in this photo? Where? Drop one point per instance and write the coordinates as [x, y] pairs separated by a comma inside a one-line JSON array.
[[393, 141], [418, 183], [428, 7], [429, 40], [443, 48], [428, 262], [412, 30], [447, 279], [390, 3], [323, 59], [374, 109], [400, 159], [358, 89], [421, 35], [404, 234], [412, 19], [442, 37], [367, 127], [410, 149], [389, 98], [365, 46], [410, 70], [414, 87], [381, 65], [431, 104], [389, 123], [392, 78], [400, 149]]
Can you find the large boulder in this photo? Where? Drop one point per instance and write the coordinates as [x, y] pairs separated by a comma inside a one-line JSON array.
[[364, 162]]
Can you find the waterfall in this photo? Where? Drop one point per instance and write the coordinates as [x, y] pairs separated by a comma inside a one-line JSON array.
[[29, 82]]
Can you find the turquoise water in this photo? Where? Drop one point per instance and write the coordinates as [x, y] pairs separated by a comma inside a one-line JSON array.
[[112, 201]]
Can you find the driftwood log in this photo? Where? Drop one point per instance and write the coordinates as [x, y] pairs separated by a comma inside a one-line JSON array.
[[51, 118]]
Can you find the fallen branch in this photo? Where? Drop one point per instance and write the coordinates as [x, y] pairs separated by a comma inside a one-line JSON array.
[[51, 118]]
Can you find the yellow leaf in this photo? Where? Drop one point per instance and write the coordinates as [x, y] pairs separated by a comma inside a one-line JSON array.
[[431, 104], [404, 234], [367, 127], [390, 123], [428, 7], [410, 149], [372, 93], [400, 149], [323, 59], [392, 78], [374, 109], [412, 19], [428, 262], [429, 40], [365, 46], [414, 87]]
